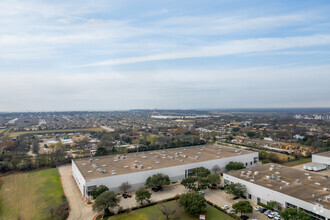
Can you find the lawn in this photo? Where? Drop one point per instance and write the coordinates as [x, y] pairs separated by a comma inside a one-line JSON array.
[[298, 162], [30, 195], [17, 133], [153, 212]]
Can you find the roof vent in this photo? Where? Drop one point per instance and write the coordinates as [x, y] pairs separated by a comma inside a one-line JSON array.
[[116, 160], [252, 180], [136, 161], [83, 164], [156, 156], [144, 157], [157, 162], [90, 171], [125, 166], [319, 184], [149, 168], [307, 174], [104, 165], [280, 187]]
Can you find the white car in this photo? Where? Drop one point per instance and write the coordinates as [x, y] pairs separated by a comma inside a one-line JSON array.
[[232, 211], [257, 208], [277, 217], [271, 215], [225, 207]]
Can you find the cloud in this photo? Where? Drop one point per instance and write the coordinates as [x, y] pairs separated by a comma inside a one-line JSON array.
[[228, 48]]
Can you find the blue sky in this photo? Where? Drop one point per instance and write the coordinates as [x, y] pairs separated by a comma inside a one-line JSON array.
[[115, 55]]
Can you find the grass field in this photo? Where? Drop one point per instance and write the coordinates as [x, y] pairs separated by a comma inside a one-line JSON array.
[[15, 134], [153, 212], [298, 162], [2, 130], [30, 195]]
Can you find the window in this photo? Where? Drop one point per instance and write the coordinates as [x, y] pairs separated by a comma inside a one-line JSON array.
[[258, 199], [249, 196], [250, 163], [246, 164]]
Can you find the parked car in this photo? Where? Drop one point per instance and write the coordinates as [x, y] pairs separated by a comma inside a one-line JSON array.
[[201, 192], [267, 212], [271, 215], [236, 197], [262, 209], [232, 211], [257, 208], [149, 201], [277, 217], [156, 189], [225, 207]]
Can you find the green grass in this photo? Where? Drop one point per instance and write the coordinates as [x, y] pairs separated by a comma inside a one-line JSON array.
[[153, 212], [298, 162], [30, 195], [17, 133]]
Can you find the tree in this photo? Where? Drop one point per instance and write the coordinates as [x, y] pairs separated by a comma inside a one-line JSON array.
[[200, 172], [193, 203], [141, 195], [295, 214], [236, 189], [213, 180], [35, 147], [106, 200], [216, 169], [243, 207], [125, 186], [251, 134], [234, 166], [166, 211], [101, 151], [98, 191], [157, 180], [195, 183]]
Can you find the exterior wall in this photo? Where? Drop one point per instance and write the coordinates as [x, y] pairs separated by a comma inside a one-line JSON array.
[[266, 195], [321, 159], [176, 173], [78, 178]]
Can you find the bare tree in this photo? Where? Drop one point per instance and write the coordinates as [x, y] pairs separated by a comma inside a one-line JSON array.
[[216, 169], [125, 186], [166, 211]]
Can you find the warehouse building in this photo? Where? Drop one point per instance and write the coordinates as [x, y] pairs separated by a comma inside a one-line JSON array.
[[135, 168], [322, 158], [288, 186]]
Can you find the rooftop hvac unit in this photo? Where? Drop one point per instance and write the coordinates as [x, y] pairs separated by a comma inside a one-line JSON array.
[[319, 184], [83, 164], [118, 156], [156, 156], [149, 168], [104, 165], [151, 153], [135, 166], [327, 198], [125, 166], [124, 157], [116, 160], [236, 151], [172, 157], [141, 166], [287, 183], [307, 174], [217, 157], [197, 157], [256, 172], [185, 156], [103, 171], [298, 181], [144, 157], [252, 180], [243, 172], [218, 153], [325, 176], [176, 153], [90, 160], [113, 172], [90, 171], [94, 165], [325, 189], [310, 177], [157, 162], [271, 168], [180, 152], [280, 187], [278, 177], [277, 172], [267, 177], [136, 161]]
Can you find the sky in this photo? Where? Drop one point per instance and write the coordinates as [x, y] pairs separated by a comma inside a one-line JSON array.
[[71, 55]]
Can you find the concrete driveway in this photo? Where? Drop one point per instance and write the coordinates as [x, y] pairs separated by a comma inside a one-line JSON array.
[[220, 198], [78, 208]]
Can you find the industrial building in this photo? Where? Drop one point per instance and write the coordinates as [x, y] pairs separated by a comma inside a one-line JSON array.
[[135, 168], [320, 162], [288, 186], [322, 158]]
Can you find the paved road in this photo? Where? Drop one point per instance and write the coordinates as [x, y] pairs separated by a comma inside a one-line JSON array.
[[78, 208], [220, 198]]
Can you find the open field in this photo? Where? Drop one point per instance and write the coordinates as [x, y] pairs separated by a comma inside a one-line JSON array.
[[298, 162], [153, 212], [15, 134], [30, 195], [2, 130]]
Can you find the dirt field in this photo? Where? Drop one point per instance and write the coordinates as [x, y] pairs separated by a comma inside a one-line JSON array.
[[30, 195], [15, 134]]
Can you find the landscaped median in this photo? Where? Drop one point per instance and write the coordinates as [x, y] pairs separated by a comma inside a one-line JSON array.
[[153, 211]]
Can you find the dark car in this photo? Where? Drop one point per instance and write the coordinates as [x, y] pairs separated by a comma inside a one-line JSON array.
[[244, 217], [236, 197], [154, 189], [262, 210], [125, 196]]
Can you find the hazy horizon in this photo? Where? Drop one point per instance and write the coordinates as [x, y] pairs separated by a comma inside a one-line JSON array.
[[121, 55]]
